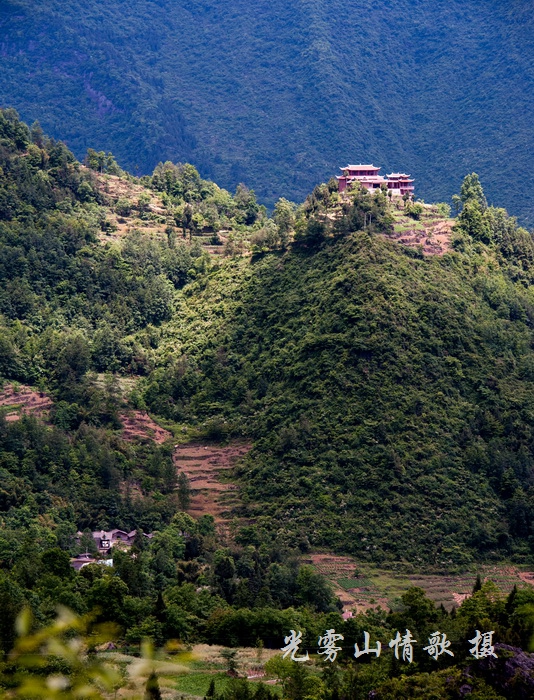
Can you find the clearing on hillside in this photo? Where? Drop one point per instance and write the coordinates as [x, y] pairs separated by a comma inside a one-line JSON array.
[[139, 425], [22, 400], [431, 232], [145, 212], [361, 586], [205, 467]]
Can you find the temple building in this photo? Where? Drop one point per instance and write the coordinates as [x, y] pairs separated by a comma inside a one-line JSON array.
[[367, 175]]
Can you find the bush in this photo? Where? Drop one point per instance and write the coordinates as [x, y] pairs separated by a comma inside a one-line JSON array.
[[123, 207]]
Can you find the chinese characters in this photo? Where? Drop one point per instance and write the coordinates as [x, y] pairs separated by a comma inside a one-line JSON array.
[[402, 646]]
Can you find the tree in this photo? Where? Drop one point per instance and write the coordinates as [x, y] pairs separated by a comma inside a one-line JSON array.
[[229, 655], [296, 680], [95, 159], [471, 190], [37, 134], [284, 218], [57, 562], [184, 491], [102, 162], [152, 691], [418, 607], [11, 602], [414, 210], [314, 590], [143, 203], [211, 690], [245, 200], [473, 222], [187, 220], [457, 203], [123, 206], [313, 235]]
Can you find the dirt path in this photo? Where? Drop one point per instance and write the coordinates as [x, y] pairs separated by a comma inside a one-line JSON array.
[[24, 400], [205, 467]]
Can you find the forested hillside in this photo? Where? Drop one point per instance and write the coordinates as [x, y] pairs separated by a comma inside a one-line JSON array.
[[387, 390], [390, 395], [280, 94]]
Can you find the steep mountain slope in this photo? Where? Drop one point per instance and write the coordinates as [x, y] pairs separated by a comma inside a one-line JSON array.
[[390, 395], [388, 390], [279, 94]]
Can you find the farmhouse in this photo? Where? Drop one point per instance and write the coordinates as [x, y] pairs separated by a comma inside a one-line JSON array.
[[105, 540], [84, 559], [367, 175]]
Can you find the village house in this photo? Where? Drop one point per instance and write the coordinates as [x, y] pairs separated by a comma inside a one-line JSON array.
[[84, 559], [398, 184], [106, 539]]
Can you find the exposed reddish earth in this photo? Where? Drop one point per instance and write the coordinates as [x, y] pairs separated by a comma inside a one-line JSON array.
[[360, 590], [335, 568], [205, 467], [24, 400], [435, 239], [138, 424]]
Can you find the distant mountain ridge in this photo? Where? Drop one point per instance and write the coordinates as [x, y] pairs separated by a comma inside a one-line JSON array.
[[278, 95]]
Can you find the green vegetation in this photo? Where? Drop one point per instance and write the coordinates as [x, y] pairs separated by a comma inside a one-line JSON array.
[[280, 98], [388, 396], [429, 674], [73, 307]]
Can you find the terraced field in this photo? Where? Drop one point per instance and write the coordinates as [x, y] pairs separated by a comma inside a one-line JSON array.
[[432, 233], [139, 425], [361, 587], [18, 400], [206, 467]]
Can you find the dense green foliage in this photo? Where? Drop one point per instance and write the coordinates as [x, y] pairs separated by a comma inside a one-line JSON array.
[[445, 676], [281, 94], [390, 396], [72, 307]]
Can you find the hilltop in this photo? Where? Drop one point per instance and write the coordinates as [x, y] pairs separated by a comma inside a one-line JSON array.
[[280, 94]]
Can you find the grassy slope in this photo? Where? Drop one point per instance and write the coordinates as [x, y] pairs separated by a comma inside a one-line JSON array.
[[280, 94], [388, 394]]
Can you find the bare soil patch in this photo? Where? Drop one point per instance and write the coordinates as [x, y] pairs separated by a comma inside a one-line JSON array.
[[355, 591], [205, 467], [151, 222], [24, 400], [432, 236], [139, 425], [360, 588]]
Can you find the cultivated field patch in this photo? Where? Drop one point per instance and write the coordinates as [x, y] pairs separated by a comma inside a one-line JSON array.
[[18, 400], [362, 586], [139, 425], [431, 234], [207, 467]]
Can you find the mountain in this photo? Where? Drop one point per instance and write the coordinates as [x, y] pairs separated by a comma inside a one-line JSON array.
[[381, 363], [281, 94], [389, 394], [363, 366]]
